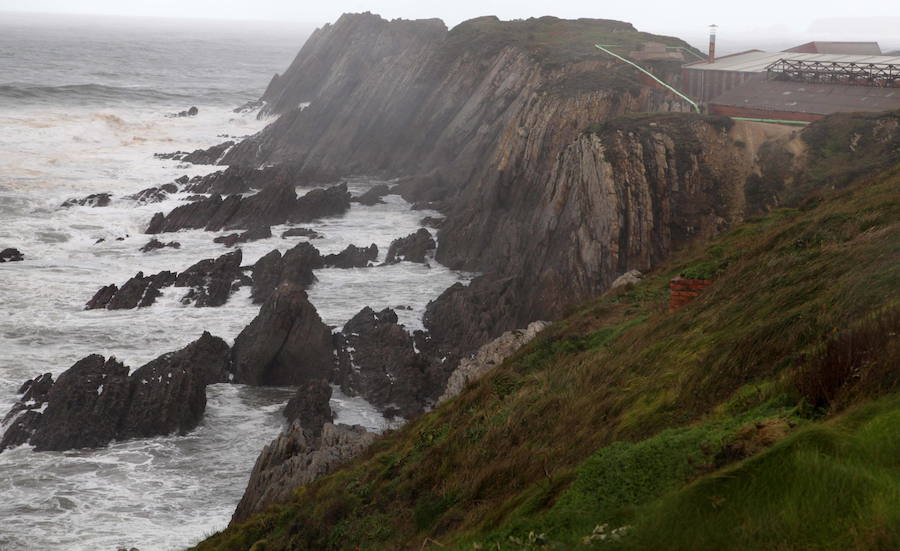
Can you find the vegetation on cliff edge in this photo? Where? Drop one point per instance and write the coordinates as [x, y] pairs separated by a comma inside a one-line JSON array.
[[763, 415]]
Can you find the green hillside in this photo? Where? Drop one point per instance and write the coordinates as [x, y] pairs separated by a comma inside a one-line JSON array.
[[763, 415]]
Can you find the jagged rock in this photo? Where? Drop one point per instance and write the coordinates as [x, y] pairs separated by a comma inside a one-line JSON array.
[[211, 280], [299, 263], [296, 458], [286, 344], [137, 292], [253, 234], [373, 195], [295, 267], [320, 203], [352, 257], [95, 401], [301, 232], [489, 356], [11, 255], [431, 222], [92, 200], [377, 359], [413, 248], [631, 276], [266, 275], [192, 112], [153, 194], [168, 394], [84, 406], [102, 297], [154, 244], [274, 204], [311, 405], [250, 106]]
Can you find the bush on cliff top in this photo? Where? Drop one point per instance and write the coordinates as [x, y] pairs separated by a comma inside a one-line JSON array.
[[609, 415]]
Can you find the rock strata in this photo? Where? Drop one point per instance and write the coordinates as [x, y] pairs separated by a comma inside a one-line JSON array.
[[489, 356], [286, 344], [296, 458], [138, 292], [412, 248], [95, 401], [352, 257], [212, 281]]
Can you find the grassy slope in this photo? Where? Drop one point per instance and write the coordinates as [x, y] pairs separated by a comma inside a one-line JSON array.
[[625, 414]]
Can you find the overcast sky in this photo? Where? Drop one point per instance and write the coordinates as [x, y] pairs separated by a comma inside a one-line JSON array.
[[800, 18]]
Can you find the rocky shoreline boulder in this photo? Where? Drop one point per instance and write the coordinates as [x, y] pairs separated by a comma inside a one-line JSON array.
[[286, 344], [352, 257], [138, 292], [373, 195], [92, 200], [412, 248], [11, 255], [96, 401], [212, 281], [296, 458]]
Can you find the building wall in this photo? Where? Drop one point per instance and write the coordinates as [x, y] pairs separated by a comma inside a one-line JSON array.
[[704, 85]]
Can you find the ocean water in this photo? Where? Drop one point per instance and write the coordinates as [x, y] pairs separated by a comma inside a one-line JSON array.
[[82, 110]]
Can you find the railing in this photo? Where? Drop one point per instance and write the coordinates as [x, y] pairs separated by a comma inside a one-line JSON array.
[[884, 75]]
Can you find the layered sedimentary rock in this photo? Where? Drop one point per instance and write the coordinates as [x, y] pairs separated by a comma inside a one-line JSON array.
[[295, 458], [274, 204], [96, 401], [286, 344]]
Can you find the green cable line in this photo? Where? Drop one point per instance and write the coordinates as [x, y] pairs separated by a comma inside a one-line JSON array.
[[651, 75]]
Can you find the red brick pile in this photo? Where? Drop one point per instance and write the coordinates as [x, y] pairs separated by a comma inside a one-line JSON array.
[[683, 291]]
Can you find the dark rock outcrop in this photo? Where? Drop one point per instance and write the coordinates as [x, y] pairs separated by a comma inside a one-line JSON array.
[[301, 232], [295, 267], [352, 257], [168, 394], [296, 458], [377, 359], [84, 406], [212, 280], [274, 204], [11, 255], [190, 112], [311, 405], [95, 401], [373, 195], [253, 234], [92, 200], [412, 248], [138, 292], [153, 194], [154, 244], [286, 344]]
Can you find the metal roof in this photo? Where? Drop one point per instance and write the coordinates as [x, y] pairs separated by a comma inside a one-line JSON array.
[[756, 61], [832, 47], [805, 97]]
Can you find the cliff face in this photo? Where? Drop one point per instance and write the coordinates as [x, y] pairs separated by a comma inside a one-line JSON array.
[[489, 120]]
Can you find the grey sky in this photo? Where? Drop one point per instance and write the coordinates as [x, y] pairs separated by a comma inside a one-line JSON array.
[[803, 19]]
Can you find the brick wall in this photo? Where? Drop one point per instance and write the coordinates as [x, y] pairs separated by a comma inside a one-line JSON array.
[[683, 291]]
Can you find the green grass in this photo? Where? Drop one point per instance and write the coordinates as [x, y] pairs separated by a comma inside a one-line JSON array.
[[626, 414]]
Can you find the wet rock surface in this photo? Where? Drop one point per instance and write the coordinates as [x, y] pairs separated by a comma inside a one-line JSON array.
[[138, 292], [155, 244], [286, 344], [212, 281], [11, 255], [352, 257], [301, 232], [273, 205], [373, 195], [92, 200], [153, 194], [295, 267], [378, 360], [295, 458], [95, 401], [412, 248], [311, 406], [253, 234]]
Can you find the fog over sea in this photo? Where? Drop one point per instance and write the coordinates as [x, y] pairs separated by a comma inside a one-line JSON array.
[[83, 105]]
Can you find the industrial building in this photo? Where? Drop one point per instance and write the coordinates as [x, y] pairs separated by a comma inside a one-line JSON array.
[[803, 83]]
